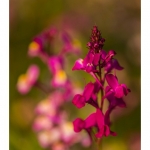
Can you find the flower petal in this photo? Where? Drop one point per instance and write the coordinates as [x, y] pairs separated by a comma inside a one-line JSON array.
[[88, 90], [121, 103], [78, 65], [100, 133], [33, 74], [107, 115], [119, 91], [109, 56], [89, 68], [96, 59], [90, 121], [116, 64], [79, 101], [112, 81], [106, 130], [99, 118], [103, 54], [125, 89], [78, 124]]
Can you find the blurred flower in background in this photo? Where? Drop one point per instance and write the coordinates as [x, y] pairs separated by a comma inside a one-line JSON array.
[[51, 121], [119, 22]]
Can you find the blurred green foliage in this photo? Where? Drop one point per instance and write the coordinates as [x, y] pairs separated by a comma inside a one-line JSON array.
[[119, 22]]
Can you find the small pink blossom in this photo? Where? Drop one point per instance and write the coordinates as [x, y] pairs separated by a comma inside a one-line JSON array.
[[119, 90], [26, 81], [94, 120], [35, 47], [46, 107], [42, 122]]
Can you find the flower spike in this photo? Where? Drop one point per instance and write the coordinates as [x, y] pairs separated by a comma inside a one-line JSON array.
[[100, 65]]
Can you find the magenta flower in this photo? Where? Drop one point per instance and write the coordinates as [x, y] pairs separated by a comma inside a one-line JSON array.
[[99, 64], [86, 64], [55, 63], [112, 64], [94, 120], [89, 96], [26, 81], [56, 66], [103, 126], [79, 101], [59, 78], [86, 124], [51, 123], [106, 57], [36, 47], [119, 90], [113, 100]]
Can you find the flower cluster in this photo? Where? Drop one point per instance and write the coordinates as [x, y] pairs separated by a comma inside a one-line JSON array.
[[51, 123], [100, 64]]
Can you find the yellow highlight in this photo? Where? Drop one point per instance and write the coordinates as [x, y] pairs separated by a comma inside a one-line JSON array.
[[69, 126], [34, 46], [60, 77], [22, 83], [46, 107], [22, 78], [80, 61]]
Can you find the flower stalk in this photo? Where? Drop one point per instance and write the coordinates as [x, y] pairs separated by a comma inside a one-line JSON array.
[[99, 62]]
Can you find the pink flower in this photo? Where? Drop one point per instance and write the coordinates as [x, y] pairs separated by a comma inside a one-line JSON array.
[[55, 63], [89, 96], [68, 134], [42, 122], [59, 78], [85, 64], [36, 47], [56, 66], [113, 100], [119, 90], [94, 120], [46, 107], [112, 64], [26, 81], [48, 137]]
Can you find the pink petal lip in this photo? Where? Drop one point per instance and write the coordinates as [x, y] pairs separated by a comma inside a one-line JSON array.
[[112, 81], [78, 101], [78, 65]]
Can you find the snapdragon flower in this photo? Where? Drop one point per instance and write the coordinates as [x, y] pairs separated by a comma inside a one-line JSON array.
[[89, 96], [100, 65], [27, 81], [119, 90], [52, 126]]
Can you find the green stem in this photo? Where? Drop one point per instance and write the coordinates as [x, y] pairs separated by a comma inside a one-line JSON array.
[[99, 142]]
